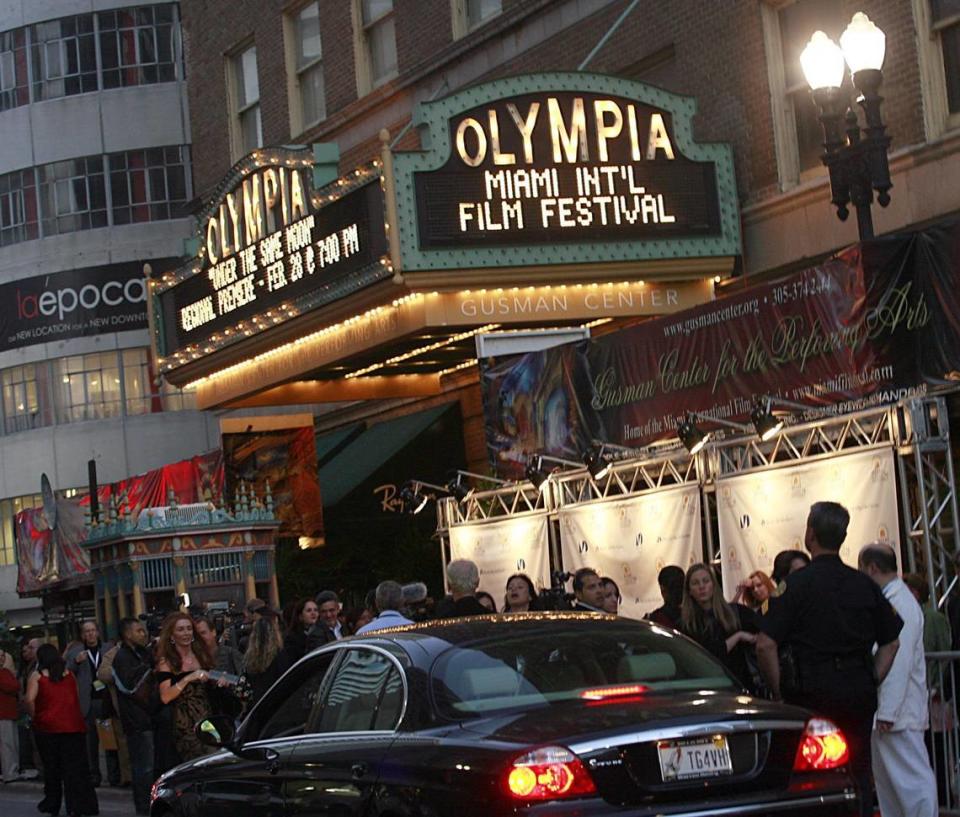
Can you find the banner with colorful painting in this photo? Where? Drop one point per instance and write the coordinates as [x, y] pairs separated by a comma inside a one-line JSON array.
[[287, 459], [764, 512], [45, 556], [874, 324], [630, 540]]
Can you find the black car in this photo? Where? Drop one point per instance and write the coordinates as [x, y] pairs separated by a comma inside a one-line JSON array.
[[537, 714]]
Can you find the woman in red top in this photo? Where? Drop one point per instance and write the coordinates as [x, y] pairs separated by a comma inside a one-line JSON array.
[[53, 702]]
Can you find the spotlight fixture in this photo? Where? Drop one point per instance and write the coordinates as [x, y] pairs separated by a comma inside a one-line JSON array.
[[415, 499], [693, 438], [460, 491], [597, 464], [536, 473], [537, 476], [764, 421]]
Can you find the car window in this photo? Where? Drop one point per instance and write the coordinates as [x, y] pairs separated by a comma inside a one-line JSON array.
[[537, 668], [366, 692], [288, 707]]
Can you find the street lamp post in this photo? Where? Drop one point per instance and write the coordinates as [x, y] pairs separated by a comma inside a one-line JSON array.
[[855, 157]]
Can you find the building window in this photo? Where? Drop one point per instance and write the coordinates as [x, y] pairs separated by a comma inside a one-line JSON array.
[[89, 387], [9, 508], [64, 57], [467, 15], [797, 132], [379, 43], [25, 397], [73, 195], [18, 207], [308, 97], [14, 88], [138, 46], [248, 132], [939, 63], [148, 185]]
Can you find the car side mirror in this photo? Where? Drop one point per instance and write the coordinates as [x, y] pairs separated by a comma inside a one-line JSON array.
[[217, 731]]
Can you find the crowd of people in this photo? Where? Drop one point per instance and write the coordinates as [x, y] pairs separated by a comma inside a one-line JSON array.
[[846, 642]]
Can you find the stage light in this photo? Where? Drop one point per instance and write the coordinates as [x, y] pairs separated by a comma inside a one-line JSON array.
[[693, 438], [596, 463], [537, 476], [763, 419]]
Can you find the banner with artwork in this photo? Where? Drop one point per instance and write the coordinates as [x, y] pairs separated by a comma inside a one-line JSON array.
[[630, 540], [764, 512], [46, 557], [287, 459], [874, 324], [519, 544]]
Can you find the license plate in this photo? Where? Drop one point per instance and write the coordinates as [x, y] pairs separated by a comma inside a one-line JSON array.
[[690, 759]]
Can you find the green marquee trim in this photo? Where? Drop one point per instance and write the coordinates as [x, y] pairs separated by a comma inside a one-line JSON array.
[[432, 118]]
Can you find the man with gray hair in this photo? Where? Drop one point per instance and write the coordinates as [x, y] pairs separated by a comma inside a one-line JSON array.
[[389, 600], [463, 578], [905, 783]]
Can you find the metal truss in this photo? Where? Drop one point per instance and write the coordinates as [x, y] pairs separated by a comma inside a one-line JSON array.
[[821, 438], [928, 495], [675, 467], [499, 503]]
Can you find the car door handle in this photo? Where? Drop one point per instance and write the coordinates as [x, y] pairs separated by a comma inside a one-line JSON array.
[[358, 770]]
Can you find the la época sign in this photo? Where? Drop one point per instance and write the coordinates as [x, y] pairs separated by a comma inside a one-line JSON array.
[[267, 248], [564, 167], [73, 303]]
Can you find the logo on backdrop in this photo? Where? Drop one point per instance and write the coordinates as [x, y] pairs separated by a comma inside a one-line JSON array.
[[745, 521], [74, 303], [521, 564], [584, 547], [639, 540]]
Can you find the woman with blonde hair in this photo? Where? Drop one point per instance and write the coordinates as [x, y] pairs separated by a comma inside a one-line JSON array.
[[725, 630]]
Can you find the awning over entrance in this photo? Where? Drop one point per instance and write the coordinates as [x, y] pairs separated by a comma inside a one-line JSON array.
[[368, 451]]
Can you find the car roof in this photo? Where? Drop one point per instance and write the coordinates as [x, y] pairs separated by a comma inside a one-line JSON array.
[[437, 636]]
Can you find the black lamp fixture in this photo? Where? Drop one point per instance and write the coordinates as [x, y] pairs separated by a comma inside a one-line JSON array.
[[461, 491], [597, 464], [415, 498], [855, 157], [694, 438], [538, 475], [766, 423]]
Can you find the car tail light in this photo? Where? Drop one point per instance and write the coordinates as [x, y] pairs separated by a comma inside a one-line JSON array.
[[822, 747], [548, 773]]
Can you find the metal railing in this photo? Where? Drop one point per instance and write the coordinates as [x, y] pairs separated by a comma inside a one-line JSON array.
[[943, 736]]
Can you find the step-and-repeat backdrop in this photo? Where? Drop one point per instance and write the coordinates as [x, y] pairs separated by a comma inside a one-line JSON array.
[[765, 512]]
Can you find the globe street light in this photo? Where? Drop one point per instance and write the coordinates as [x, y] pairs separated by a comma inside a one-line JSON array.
[[856, 157]]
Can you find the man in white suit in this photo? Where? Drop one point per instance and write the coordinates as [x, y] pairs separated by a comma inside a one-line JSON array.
[[905, 783]]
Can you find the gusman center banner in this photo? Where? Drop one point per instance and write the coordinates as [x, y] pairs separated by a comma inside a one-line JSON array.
[[874, 324], [518, 544], [765, 512], [630, 540]]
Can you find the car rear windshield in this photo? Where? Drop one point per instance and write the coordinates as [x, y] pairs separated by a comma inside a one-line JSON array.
[[567, 661]]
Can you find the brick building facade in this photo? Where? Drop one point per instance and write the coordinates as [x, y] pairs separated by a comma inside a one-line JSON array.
[[375, 60]]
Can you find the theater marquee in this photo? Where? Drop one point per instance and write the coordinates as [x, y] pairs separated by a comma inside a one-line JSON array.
[[559, 169], [270, 248]]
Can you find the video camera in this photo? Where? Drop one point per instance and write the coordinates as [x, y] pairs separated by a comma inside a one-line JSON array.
[[557, 597], [227, 616], [153, 621]]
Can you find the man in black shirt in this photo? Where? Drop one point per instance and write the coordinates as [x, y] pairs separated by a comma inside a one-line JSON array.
[[136, 697], [831, 619]]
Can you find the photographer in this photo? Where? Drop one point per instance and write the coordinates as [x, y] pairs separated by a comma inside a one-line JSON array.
[[138, 703], [239, 634]]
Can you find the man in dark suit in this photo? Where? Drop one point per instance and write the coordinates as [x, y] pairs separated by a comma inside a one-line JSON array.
[[83, 660], [589, 590]]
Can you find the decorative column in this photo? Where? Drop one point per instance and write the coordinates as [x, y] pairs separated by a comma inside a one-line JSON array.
[[274, 588], [249, 580], [122, 597], [180, 574], [110, 619], [139, 605]]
